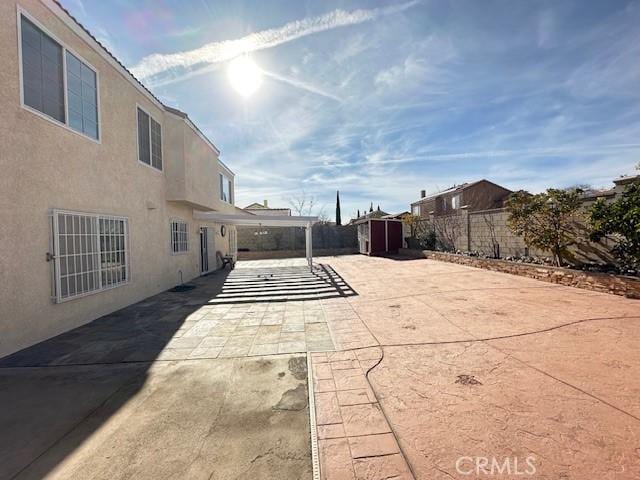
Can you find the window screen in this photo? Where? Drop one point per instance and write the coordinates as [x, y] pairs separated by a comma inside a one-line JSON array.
[[156, 145], [225, 188], [42, 72], [113, 265], [82, 97], [149, 140], [144, 141]]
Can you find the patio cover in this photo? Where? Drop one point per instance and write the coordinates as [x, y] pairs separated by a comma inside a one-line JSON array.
[[246, 219]]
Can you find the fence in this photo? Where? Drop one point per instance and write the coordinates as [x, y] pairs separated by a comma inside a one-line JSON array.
[[266, 239], [487, 232]]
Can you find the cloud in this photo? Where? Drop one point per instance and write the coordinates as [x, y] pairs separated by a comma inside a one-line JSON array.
[[216, 52], [394, 76]]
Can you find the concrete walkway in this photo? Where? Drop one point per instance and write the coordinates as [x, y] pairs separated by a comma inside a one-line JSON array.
[[454, 372], [206, 384]]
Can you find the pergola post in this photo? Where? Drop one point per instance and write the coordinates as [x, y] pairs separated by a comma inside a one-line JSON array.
[[309, 244]]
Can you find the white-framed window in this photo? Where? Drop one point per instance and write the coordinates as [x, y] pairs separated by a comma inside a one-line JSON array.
[[415, 209], [57, 83], [149, 139], [91, 253], [226, 189], [455, 202], [179, 236]]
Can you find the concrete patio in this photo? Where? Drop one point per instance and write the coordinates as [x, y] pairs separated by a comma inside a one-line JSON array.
[[473, 365], [417, 364], [209, 383]]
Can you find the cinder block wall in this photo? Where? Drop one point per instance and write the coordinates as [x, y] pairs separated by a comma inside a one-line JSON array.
[[262, 239], [488, 232]]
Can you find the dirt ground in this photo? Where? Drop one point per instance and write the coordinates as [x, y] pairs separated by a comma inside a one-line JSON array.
[[480, 375]]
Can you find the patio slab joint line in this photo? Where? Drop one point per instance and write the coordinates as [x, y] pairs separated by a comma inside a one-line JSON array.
[[313, 426]]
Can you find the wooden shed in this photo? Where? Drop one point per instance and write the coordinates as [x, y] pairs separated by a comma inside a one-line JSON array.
[[379, 236]]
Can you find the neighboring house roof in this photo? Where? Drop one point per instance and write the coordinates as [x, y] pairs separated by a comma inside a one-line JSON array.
[[455, 189], [396, 215], [368, 215], [255, 206], [262, 210], [132, 78], [595, 194], [626, 180]]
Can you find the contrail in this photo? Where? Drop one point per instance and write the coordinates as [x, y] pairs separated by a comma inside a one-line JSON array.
[[301, 85], [216, 52]]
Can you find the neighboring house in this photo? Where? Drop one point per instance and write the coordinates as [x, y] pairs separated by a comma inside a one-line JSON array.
[[590, 196], [377, 213], [474, 196], [268, 238], [264, 209], [100, 181]]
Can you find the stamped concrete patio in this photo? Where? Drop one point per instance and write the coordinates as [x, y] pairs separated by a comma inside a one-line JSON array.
[[445, 368], [420, 370]]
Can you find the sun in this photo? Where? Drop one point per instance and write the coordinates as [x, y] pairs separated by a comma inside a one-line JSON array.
[[245, 76]]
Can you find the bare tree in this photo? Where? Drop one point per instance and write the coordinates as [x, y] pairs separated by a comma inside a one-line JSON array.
[[448, 229], [303, 203], [493, 237]]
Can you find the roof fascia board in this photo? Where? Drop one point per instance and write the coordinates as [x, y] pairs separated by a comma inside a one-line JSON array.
[[195, 129], [80, 32], [247, 219]]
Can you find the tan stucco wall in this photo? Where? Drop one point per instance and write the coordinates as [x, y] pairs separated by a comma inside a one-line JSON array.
[[46, 166]]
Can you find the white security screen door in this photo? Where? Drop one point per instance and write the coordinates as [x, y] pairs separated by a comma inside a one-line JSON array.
[[204, 249]]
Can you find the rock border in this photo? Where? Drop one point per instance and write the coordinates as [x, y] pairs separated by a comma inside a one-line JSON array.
[[599, 282]]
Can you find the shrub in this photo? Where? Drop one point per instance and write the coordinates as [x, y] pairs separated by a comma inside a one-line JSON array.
[[547, 221], [620, 218]]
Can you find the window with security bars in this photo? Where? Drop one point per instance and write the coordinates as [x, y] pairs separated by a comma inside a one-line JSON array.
[[90, 253], [179, 236], [149, 140]]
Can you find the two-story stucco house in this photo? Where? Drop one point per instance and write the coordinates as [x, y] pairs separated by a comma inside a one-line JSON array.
[[474, 196], [100, 181]]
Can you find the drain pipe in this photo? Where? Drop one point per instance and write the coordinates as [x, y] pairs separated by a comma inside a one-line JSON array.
[[181, 280]]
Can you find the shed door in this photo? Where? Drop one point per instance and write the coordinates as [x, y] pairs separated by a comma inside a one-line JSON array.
[[378, 237], [394, 230]]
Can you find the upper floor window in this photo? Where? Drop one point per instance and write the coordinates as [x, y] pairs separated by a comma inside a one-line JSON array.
[[226, 189], [149, 140], [455, 202], [82, 97], [415, 209], [47, 67]]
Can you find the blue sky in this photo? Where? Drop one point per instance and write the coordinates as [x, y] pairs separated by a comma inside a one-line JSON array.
[[383, 99]]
